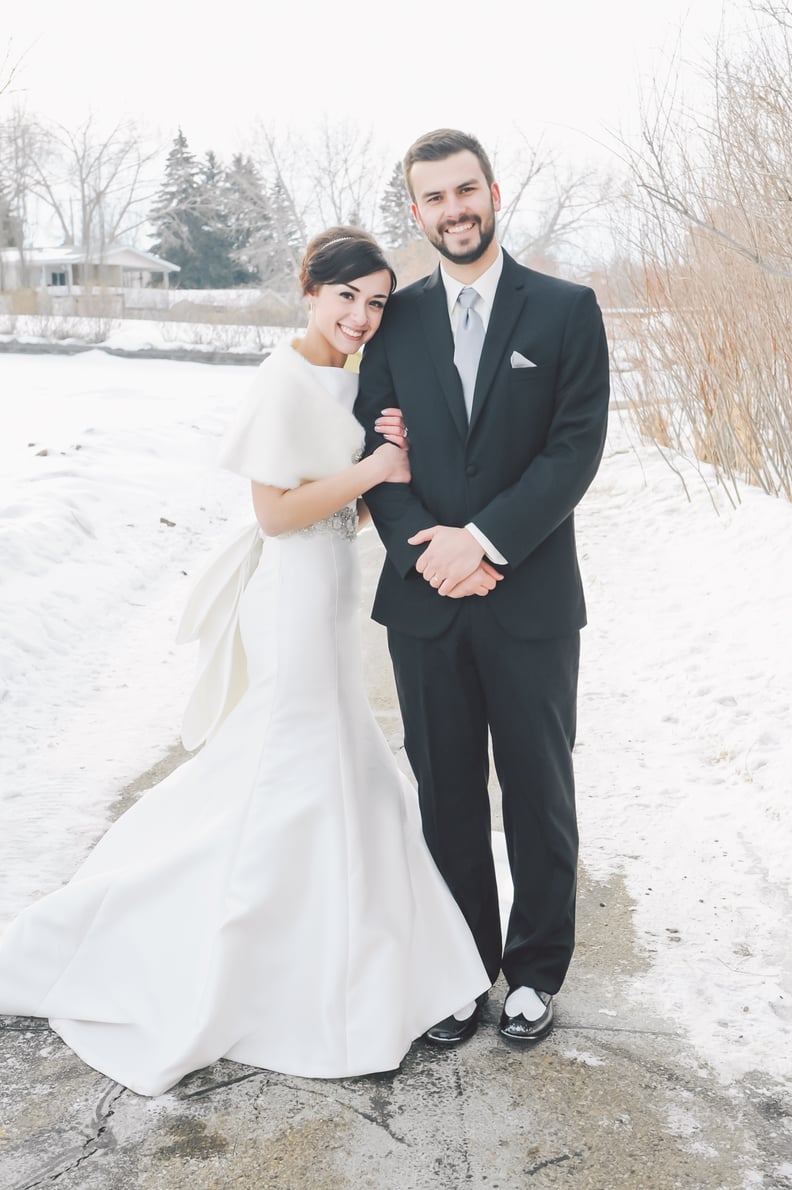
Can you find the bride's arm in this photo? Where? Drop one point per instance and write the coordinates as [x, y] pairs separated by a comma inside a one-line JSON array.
[[281, 510], [391, 425]]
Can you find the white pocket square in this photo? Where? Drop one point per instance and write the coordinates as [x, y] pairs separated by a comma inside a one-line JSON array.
[[519, 361]]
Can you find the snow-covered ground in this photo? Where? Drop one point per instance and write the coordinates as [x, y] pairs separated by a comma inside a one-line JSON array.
[[127, 334], [684, 753], [108, 495], [109, 504]]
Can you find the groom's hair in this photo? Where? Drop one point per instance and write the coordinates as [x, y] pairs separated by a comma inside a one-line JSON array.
[[442, 143]]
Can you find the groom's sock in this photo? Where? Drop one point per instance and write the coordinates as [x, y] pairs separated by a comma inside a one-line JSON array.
[[524, 1002]]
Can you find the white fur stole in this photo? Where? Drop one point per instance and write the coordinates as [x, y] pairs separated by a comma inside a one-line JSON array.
[[290, 428]]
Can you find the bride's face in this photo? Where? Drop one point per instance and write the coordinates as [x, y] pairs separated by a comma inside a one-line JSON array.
[[348, 314]]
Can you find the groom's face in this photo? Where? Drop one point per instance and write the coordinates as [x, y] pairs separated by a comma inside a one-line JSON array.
[[455, 206]]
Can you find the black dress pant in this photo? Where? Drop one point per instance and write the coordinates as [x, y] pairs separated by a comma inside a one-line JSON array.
[[455, 690]]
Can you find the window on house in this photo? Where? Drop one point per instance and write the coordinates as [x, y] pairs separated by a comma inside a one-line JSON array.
[[57, 279]]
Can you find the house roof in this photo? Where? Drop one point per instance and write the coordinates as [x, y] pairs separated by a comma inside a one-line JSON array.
[[118, 254]]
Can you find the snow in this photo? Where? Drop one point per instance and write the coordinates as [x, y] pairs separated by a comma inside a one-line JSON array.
[[110, 503], [138, 334], [684, 753], [97, 455]]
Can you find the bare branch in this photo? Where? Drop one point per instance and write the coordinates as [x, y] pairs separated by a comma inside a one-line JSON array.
[[713, 193], [10, 62], [90, 181]]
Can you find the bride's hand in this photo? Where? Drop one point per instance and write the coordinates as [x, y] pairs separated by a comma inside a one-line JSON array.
[[395, 463], [390, 424]]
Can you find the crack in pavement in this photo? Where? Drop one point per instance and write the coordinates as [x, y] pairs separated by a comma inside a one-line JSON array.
[[635, 1032], [105, 1109], [230, 1082], [535, 1169], [380, 1122], [464, 1149], [9, 1025]]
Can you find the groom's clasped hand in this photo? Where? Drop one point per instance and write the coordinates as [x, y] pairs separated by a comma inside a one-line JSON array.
[[453, 562]]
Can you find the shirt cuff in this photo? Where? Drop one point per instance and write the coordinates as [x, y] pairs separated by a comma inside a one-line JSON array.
[[492, 554]]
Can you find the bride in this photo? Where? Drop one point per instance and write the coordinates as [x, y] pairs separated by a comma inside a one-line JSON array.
[[272, 901]]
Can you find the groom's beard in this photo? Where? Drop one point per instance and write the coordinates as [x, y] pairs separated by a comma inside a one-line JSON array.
[[486, 236]]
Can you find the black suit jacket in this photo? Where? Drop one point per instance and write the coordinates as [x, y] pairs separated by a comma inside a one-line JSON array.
[[519, 468]]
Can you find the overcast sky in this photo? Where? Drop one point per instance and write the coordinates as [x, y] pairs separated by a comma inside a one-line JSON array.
[[566, 70]]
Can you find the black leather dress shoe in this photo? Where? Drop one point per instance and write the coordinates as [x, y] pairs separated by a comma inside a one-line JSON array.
[[518, 1028], [451, 1031]]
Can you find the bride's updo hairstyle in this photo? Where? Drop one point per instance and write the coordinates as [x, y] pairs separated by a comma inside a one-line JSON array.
[[340, 255]]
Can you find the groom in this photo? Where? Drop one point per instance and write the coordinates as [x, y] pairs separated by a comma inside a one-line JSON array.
[[502, 377]]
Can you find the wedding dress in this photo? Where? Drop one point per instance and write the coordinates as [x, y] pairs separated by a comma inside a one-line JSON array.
[[272, 901]]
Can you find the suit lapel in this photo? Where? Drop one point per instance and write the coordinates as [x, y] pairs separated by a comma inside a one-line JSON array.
[[509, 300], [433, 312]]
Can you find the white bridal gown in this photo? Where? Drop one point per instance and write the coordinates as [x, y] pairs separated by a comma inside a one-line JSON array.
[[272, 901]]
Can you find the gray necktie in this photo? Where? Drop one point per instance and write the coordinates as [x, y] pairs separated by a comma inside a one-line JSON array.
[[467, 344]]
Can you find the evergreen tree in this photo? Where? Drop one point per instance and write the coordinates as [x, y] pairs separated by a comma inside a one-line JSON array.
[[214, 222], [398, 226], [215, 263], [249, 219], [177, 215], [279, 259]]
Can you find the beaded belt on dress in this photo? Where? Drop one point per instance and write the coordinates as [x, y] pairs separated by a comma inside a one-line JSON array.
[[344, 522]]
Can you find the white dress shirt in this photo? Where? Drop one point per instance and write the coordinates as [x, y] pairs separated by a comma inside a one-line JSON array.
[[485, 287]]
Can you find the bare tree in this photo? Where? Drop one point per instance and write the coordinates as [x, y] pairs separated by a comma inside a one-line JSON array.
[[94, 184], [345, 172], [10, 62], [547, 206], [714, 190], [20, 145], [562, 217], [727, 171], [277, 254], [331, 174], [12, 186], [280, 160], [314, 179]]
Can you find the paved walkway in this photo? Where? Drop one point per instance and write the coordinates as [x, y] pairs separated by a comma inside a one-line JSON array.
[[611, 1100]]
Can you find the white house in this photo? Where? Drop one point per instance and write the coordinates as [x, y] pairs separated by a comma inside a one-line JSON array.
[[68, 269]]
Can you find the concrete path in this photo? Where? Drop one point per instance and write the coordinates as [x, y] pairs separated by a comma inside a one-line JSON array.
[[611, 1100]]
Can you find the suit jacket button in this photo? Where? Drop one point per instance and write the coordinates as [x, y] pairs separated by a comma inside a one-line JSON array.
[[470, 470]]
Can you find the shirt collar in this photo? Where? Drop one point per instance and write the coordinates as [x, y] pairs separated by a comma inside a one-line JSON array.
[[485, 285]]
